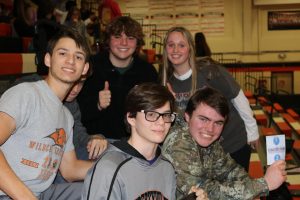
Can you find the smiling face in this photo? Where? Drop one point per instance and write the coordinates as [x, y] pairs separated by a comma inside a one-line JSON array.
[[122, 47], [75, 90], [146, 132], [177, 48], [205, 124], [67, 62]]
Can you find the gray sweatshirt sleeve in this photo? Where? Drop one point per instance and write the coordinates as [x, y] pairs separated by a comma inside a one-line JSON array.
[[80, 135]]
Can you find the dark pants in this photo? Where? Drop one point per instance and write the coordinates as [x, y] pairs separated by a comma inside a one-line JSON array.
[[242, 156]]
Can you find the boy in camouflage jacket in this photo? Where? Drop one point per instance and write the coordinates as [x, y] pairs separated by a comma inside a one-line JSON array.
[[199, 159]]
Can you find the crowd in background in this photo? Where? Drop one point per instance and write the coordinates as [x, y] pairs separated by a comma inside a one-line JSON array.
[[23, 15]]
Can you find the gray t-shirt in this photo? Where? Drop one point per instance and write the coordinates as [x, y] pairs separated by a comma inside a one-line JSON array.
[[43, 133], [215, 76]]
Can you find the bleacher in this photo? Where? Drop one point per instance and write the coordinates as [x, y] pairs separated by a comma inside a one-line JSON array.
[[273, 118]]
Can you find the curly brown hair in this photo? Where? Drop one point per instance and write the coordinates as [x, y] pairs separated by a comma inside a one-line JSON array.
[[127, 25]]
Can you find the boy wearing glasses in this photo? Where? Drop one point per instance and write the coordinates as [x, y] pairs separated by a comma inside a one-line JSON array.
[[135, 169]]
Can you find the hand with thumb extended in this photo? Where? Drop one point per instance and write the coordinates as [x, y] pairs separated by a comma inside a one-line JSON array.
[[275, 175], [104, 97], [169, 86]]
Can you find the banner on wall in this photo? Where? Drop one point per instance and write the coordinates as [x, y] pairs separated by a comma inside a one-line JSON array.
[[196, 15], [212, 20], [283, 20], [157, 16]]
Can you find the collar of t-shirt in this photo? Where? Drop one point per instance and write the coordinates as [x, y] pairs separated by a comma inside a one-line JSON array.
[[184, 76], [122, 70]]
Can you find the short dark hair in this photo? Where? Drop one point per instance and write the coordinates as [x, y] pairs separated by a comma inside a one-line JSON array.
[[68, 32], [147, 96], [210, 97], [127, 25]]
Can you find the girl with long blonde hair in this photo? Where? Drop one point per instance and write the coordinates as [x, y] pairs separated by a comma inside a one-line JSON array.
[[183, 75]]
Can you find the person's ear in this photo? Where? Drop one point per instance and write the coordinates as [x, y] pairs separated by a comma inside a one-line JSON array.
[[130, 120], [85, 68], [187, 117], [47, 59]]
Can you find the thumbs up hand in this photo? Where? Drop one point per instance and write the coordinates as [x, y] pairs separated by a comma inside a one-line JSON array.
[[104, 97]]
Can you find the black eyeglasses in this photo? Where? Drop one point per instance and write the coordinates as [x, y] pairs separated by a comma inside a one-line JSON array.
[[153, 116]]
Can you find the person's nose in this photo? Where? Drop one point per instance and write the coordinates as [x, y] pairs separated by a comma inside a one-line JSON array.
[[175, 49], [210, 126], [71, 59], [160, 120], [76, 88], [124, 41]]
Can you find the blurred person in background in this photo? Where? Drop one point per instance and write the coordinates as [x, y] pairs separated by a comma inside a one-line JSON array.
[[25, 13]]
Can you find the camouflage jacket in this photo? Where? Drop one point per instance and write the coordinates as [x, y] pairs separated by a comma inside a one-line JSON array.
[[211, 168]]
